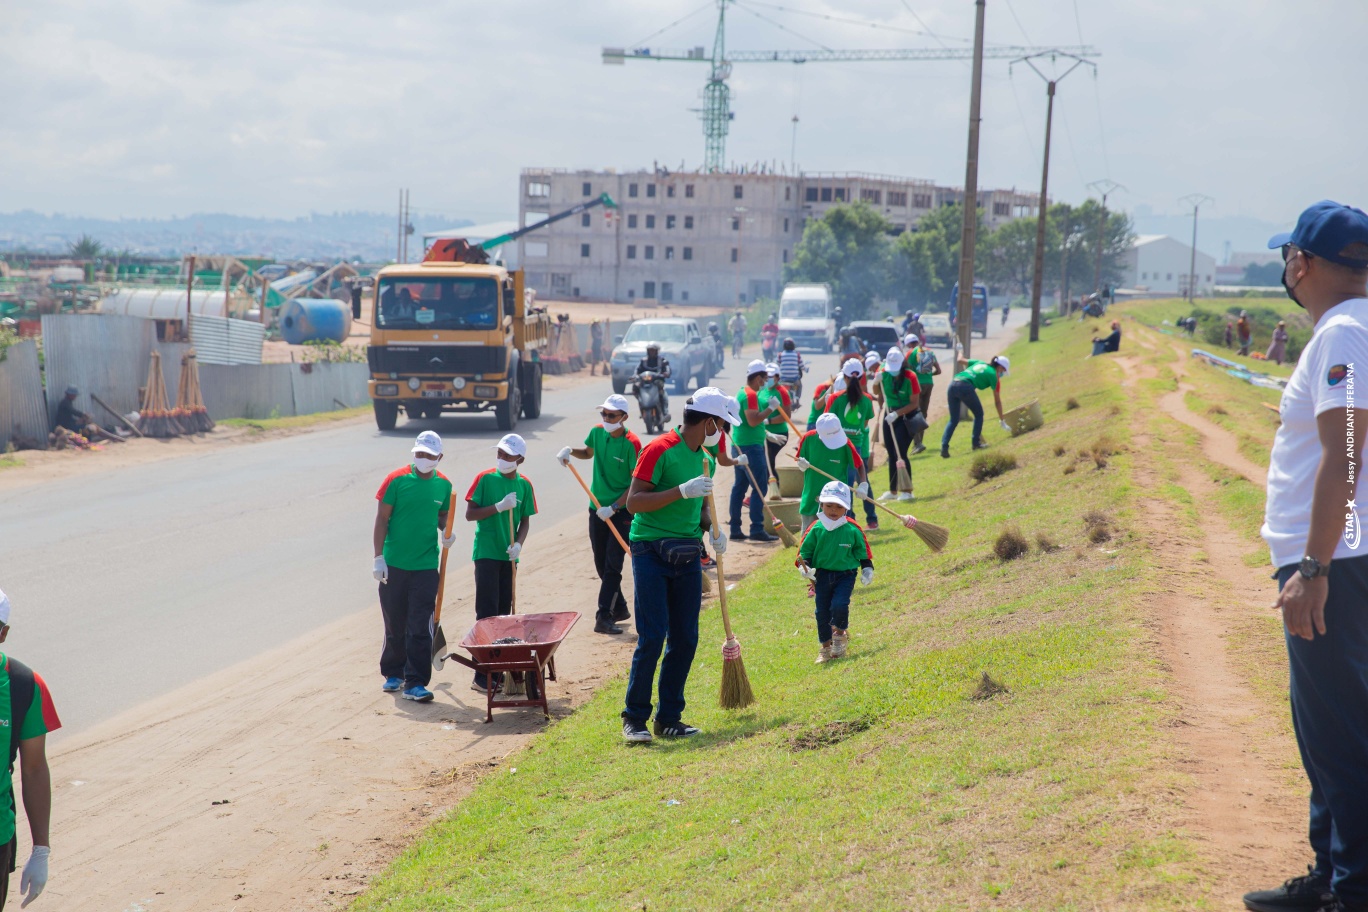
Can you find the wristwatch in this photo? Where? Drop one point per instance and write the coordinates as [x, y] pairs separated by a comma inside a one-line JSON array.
[[1310, 568]]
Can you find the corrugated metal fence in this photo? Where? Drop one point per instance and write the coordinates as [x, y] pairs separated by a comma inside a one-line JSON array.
[[281, 390], [23, 412], [219, 340]]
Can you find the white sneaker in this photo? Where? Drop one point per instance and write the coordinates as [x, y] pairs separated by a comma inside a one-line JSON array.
[[907, 496], [823, 656], [839, 642], [887, 495]]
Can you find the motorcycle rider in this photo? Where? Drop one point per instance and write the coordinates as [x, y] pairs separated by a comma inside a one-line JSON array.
[[737, 326], [769, 335], [657, 365], [1006, 310], [719, 346]]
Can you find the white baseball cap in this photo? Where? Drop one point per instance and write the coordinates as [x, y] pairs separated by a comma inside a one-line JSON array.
[[872, 360], [512, 443], [756, 367], [1003, 362], [734, 410], [830, 432], [852, 368], [614, 403], [835, 492], [712, 401], [772, 369], [910, 339], [4, 608], [895, 360], [428, 442]]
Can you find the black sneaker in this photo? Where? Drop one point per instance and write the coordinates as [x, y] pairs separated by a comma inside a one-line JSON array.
[[606, 627], [945, 452], [635, 732], [763, 537], [736, 536], [674, 730], [1308, 893], [918, 449], [620, 613]]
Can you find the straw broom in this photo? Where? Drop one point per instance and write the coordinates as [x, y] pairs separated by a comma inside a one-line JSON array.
[[513, 687], [735, 692], [782, 530], [935, 537], [439, 642]]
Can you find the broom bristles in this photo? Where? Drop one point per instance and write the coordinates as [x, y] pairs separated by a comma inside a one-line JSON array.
[[784, 534], [736, 690], [707, 584], [936, 537], [904, 477]]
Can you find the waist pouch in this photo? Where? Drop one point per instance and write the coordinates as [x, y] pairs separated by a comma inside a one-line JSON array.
[[677, 552]]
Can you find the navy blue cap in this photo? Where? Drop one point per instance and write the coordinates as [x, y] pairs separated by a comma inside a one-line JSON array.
[[1331, 231]]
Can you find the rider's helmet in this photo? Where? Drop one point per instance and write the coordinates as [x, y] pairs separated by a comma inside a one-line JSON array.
[[712, 327], [789, 345], [773, 317], [652, 346]]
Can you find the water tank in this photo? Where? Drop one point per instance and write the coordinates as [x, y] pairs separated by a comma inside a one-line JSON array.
[[314, 320]]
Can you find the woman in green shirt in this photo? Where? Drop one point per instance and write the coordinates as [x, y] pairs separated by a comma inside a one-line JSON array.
[[974, 376], [855, 409], [923, 360]]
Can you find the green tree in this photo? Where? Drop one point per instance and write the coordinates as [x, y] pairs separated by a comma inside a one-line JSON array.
[[924, 264], [848, 248], [1007, 256], [85, 248]]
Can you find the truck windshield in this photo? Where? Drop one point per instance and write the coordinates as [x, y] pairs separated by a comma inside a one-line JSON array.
[[438, 302], [802, 309], [654, 332]]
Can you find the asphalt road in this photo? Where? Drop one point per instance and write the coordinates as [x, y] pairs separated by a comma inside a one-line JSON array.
[[133, 582]]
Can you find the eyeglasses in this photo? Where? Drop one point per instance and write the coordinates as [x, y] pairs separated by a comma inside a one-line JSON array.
[[1289, 249]]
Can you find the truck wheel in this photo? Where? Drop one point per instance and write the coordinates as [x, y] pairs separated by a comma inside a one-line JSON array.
[[506, 412], [532, 382], [619, 386], [386, 414]]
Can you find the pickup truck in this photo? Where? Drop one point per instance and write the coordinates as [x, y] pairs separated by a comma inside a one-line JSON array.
[[681, 344]]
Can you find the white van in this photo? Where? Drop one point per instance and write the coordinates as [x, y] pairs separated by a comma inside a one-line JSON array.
[[805, 317]]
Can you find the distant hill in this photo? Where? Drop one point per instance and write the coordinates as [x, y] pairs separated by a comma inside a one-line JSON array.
[[369, 236]]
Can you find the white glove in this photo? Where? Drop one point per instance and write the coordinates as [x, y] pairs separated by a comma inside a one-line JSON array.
[[381, 570], [741, 459], [1005, 426], [866, 575], [563, 457], [509, 502], [35, 876], [604, 513], [447, 541], [862, 489], [891, 417], [718, 540], [804, 464], [696, 487], [514, 550], [775, 439], [807, 573]]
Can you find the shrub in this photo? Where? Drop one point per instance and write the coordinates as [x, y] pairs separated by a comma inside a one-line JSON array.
[[1011, 544], [1046, 544], [991, 465]]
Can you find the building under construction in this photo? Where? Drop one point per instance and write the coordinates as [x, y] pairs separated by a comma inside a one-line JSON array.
[[704, 238]]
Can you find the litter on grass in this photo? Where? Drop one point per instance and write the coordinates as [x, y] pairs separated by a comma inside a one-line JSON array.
[[1239, 371]]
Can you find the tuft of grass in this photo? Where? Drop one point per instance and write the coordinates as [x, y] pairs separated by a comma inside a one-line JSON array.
[[988, 688], [1217, 410], [1070, 404], [1070, 469], [295, 422], [1097, 526], [828, 734], [1060, 449], [1046, 544], [991, 465], [1011, 544]]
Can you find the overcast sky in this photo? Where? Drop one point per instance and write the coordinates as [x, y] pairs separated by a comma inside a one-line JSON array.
[[281, 107]]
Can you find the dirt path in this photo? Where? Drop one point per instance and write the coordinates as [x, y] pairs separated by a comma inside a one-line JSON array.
[[1218, 444], [286, 782], [1241, 804]]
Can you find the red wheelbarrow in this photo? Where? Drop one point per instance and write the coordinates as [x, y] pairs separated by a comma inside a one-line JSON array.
[[516, 642]]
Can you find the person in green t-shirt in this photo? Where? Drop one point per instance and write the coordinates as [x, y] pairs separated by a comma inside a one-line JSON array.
[[901, 389], [776, 428], [669, 503], [833, 549], [829, 449], [923, 360], [614, 450], [501, 503], [29, 716], [855, 409], [410, 528], [749, 439], [972, 377]]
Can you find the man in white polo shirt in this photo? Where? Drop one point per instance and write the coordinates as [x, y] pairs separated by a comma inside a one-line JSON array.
[[1312, 528]]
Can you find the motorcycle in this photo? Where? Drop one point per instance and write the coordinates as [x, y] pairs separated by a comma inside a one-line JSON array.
[[649, 390], [719, 351], [768, 338], [795, 389]]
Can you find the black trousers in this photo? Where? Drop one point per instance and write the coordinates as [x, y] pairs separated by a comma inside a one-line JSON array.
[[897, 440], [772, 450], [608, 560], [493, 593], [407, 602]]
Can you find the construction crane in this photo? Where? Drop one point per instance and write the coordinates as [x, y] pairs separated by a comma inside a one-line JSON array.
[[458, 250], [716, 112]]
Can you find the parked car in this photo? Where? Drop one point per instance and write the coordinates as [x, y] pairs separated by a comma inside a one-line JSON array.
[[681, 344], [875, 335], [936, 329]]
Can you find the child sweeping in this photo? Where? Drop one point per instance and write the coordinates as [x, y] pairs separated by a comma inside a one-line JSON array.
[[494, 493], [833, 548]]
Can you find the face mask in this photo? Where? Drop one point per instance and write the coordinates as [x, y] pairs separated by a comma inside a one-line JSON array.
[[713, 439], [612, 428], [1288, 288], [423, 464], [769, 384], [831, 525], [505, 465]]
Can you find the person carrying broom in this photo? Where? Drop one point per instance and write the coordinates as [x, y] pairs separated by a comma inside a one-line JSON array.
[[496, 495], [855, 409], [614, 450], [833, 549], [667, 499], [902, 397], [414, 501], [749, 440]]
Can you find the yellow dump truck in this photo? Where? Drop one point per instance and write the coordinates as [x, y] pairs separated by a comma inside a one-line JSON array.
[[455, 333]]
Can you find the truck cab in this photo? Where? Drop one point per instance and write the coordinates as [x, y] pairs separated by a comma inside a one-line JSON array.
[[455, 336]]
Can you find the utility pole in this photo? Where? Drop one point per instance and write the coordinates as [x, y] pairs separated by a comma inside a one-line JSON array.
[[969, 228], [1104, 187], [1194, 200], [399, 234], [1045, 175]]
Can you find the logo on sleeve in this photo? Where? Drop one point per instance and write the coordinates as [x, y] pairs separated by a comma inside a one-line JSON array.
[[1337, 373]]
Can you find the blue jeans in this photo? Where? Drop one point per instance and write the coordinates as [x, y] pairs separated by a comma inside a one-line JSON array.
[[833, 590], [1329, 695], [962, 392], [870, 515], [669, 595], [755, 454]]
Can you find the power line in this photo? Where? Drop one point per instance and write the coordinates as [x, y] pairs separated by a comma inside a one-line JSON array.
[[863, 22], [1101, 131], [780, 26], [1025, 124], [1078, 22], [1073, 153], [708, 5], [909, 8], [1017, 19]]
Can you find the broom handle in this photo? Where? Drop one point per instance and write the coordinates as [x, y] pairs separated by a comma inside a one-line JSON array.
[[784, 415], [513, 601], [899, 516], [721, 575], [598, 506], [441, 567], [756, 488]]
